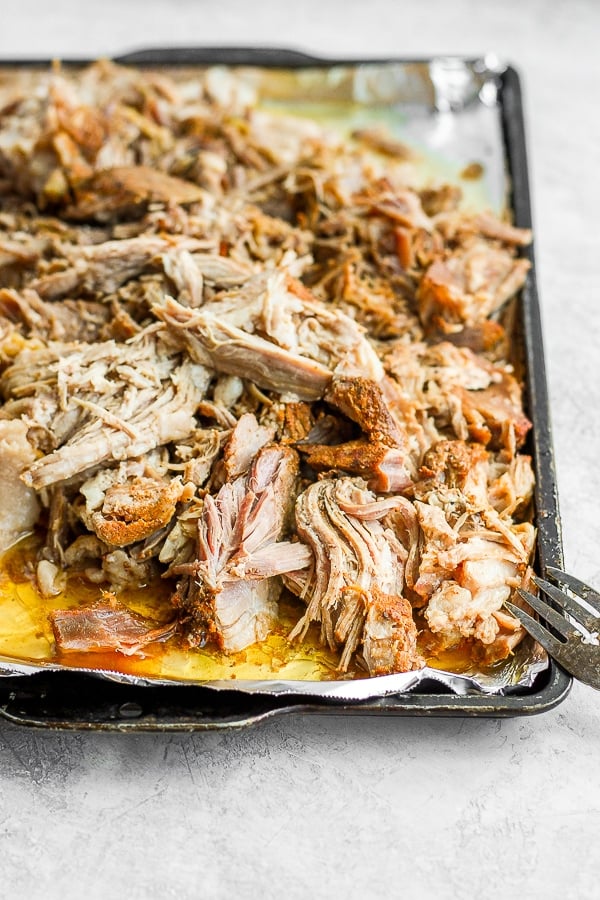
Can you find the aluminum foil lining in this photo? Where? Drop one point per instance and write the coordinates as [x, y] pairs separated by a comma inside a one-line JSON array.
[[517, 673], [448, 110]]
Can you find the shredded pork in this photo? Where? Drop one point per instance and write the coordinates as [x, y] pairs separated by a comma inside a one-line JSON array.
[[244, 356]]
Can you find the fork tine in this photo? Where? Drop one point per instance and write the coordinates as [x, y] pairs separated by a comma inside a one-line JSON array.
[[541, 634], [570, 604], [568, 655], [558, 621], [580, 588]]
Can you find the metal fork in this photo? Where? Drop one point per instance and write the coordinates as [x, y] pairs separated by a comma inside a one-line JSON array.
[[577, 649]]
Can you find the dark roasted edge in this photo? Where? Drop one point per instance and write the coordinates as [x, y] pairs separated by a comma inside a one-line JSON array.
[[80, 702]]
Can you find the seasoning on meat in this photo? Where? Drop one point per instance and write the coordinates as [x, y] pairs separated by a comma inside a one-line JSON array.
[[240, 355]]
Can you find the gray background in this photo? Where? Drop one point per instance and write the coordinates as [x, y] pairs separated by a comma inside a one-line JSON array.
[[314, 807]]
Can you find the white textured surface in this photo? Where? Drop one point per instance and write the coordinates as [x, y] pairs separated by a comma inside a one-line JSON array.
[[307, 806]]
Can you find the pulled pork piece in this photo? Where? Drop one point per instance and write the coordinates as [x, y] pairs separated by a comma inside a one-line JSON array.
[[468, 286], [383, 467], [122, 571], [103, 268], [491, 227], [304, 341], [381, 456], [354, 585], [126, 191], [470, 558], [456, 464], [495, 414], [122, 510], [198, 454], [106, 626], [229, 593], [228, 349], [67, 321], [511, 484], [20, 253], [296, 422], [20, 507], [247, 438], [363, 401], [389, 636], [189, 273], [447, 391], [101, 402]]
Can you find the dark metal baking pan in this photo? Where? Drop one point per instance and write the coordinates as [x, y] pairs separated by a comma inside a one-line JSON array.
[[77, 701]]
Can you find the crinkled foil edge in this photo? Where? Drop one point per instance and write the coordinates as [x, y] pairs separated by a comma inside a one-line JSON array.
[[518, 674]]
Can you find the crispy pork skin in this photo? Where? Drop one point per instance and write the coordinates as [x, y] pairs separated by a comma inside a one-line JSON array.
[[381, 456], [132, 511]]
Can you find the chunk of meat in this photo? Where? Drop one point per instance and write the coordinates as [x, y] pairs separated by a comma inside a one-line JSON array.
[[189, 273], [456, 464], [499, 409], [243, 613], [232, 350], [67, 321], [468, 287], [126, 421], [103, 268], [354, 585], [123, 572], [126, 191], [247, 438], [21, 253], [383, 467], [492, 227], [363, 401], [380, 457], [199, 453], [510, 484], [467, 609], [470, 561], [303, 343], [228, 594], [390, 636], [510, 633], [446, 389], [298, 422], [20, 506], [107, 626], [136, 509]]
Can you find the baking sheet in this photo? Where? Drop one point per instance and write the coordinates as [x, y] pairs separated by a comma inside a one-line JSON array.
[[448, 111]]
